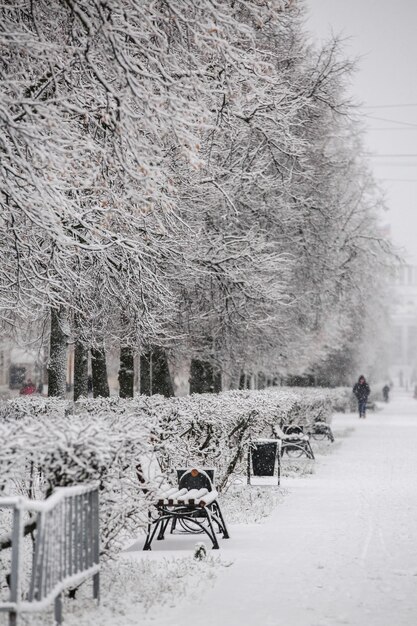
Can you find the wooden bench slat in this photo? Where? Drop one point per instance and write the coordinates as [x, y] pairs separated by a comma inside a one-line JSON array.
[[198, 496], [190, 495], [174, 496], [210, 497]]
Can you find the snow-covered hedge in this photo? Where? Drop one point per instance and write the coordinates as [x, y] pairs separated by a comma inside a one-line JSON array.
[[48, 443], [40, 452], [344, 400]]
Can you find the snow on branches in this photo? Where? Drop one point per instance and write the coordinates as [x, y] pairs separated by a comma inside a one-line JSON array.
[[182, 174]]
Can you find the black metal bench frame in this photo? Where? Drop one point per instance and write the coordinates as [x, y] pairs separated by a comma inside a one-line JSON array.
[[296, 443], [197, 515], [321, 430]]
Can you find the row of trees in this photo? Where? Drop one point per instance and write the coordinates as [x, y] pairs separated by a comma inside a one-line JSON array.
[[182, 179]]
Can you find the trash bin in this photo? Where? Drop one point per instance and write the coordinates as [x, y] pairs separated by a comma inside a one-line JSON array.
[[264, 454]]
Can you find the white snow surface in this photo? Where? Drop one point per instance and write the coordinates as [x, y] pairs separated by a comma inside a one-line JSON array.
[[340, 549]]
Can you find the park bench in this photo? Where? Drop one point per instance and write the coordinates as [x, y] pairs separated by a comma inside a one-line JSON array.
[[295, 443], [321, 430], [193, 505]]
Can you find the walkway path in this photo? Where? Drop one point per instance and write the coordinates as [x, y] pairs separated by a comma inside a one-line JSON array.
[[341, 549]]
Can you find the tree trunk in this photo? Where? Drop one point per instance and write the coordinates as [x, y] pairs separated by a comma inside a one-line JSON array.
[[154, 374], [126, 373], [244, 380], [204, 378], [99, 373], [80, 371], [57, 365]]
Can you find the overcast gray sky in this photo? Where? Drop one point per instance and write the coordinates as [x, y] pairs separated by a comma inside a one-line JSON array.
[[383, 34]]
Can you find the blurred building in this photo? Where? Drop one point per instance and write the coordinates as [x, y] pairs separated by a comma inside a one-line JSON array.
[[403, 369]]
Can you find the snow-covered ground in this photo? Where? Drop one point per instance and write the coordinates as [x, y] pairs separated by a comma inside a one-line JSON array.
[[340, 548]]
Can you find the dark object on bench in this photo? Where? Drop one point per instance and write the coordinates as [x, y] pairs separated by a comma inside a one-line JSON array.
[[263, 456], [193, 504], [189, 480], [295, 443]]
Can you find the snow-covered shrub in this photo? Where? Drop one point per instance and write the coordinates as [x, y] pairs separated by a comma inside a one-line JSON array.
[[243, 504], [343, 400], [18, 408], [49, 443], [215, 431], [40, 452]]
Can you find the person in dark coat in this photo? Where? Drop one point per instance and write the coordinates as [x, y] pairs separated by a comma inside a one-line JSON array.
[[385, 392], [362, 390]]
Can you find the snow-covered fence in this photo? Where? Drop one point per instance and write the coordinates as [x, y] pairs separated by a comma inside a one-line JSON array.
[[66, 549]]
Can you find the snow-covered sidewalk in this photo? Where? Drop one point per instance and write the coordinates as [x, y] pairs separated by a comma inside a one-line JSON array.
[[341, 549]]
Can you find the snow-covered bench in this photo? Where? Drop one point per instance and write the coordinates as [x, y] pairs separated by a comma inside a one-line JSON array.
[[294, 442], [193, 504], [321, 430]]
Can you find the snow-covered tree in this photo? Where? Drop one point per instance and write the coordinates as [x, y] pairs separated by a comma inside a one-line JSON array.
[[182, 176]]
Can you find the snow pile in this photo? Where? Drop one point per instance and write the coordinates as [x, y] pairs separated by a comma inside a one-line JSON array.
[[126, 584]]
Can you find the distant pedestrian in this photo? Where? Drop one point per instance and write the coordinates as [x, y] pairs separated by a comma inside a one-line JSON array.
[[362, 390], [385, 392]]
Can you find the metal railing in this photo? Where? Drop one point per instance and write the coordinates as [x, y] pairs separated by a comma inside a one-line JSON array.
[[66, 549]]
